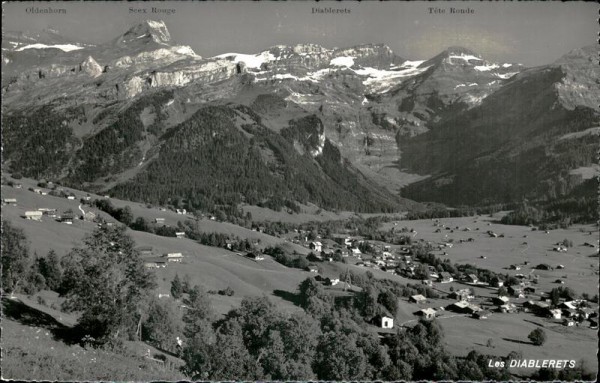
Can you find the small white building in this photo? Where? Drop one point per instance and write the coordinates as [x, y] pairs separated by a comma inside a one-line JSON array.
[[174, 257], [180, 234], [316, 246], [385, 321], [34, 215]]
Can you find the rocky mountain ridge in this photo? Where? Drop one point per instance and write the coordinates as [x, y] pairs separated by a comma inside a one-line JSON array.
[[369, 101]]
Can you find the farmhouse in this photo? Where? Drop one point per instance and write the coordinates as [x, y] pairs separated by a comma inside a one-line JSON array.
[[181, 211], [66, 218], [569, 322], [516, 291], [255, 256], [461, 295], [356, 251], [427, 313], [555, 313], [180, 234], [585, 312], [529, 289], [174, 257], [159, 221], [482, 314], [568, 305], [316, 246], [445, 277], [507, 308], [313, 269], [155, 263], [71, 197], [384, 321], [34, 215], [472, 278], [463, 307], [48, 211], [417, 299], [9, 201], [500, 300], [515, 267], [543, 266]]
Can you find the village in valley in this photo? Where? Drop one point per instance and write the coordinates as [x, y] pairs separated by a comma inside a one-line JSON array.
[[487, 284]]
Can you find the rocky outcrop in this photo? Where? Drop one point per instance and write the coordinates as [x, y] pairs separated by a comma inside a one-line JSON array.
[[91, 67]]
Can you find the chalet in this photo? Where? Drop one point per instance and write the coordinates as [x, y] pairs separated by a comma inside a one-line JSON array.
[[569, 313], [461, 295], [331, 281], [48, 212], [427, 313], [356, 251], [515, 267], [585, 312], [313, 269], [472, 278], [481, 314], [144, 251], [180, 234], [17, 186], [540, 308], [316, 246], [568, 305], [384, 321], [174, 257], [463, 307], [255, 256], [37, 191], [66, 218], [569, 322], [445, 277], [34, 215], [507, 308], [554, 313], [71, 197], [9, 201], [529, 289], [181, 211], [159, 221], [155, 262], [427, 282], [500, 300], [543, 266], [560, 249], [417, 299], [560, 267], [516, 291]]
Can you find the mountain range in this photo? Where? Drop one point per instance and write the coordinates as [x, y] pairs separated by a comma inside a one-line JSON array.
[[357, 128]]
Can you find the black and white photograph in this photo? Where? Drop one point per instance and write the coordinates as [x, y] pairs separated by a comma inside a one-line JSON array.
[[300, 191]]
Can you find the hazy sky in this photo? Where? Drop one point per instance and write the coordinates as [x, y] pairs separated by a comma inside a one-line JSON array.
[[533, 33]]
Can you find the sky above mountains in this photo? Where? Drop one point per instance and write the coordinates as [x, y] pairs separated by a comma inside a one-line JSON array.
[[533, 33]]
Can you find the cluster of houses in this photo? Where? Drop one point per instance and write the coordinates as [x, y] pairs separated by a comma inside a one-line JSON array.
[[155, 262]]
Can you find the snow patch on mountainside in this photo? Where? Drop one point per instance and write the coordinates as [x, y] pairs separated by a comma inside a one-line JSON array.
[[346, 61], [62, 47], [505, 75], [251, 61], [485, 68]]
